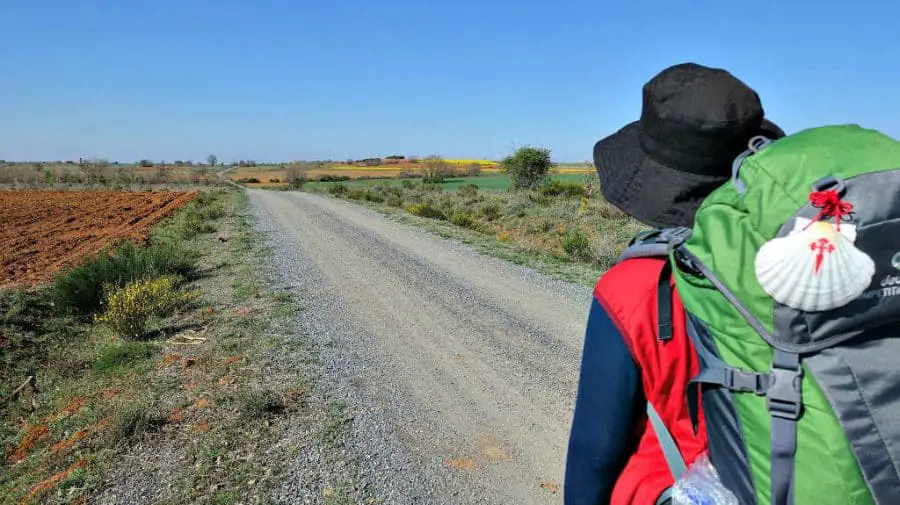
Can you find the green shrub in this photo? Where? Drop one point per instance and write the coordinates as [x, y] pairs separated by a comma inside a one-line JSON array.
[[435, 169], [79, 290], [564, 188], [371, 195], [262, 404], [577, 245], [463, 219], [129, 309], [540, 199], [490, 211], [527, 167], [194, 224], [355, 194], [337, 189], [212, 212], [334, 178], [195, 217], [519, 209], [425, 210], [124, 354], [407, 184], [591, 183], [133, 421], [608, 211], [394, 201], [540, 225], [204, 199], [468, 190], [391, 190]]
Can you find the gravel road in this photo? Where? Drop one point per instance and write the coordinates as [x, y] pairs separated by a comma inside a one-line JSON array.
[[460, 370]]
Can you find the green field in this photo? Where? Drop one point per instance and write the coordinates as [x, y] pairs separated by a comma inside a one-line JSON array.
[[484, 183]]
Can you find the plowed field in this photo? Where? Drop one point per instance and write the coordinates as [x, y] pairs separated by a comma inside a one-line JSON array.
[[42, 232]]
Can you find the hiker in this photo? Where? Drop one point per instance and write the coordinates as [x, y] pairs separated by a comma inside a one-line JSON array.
[[694, 122]]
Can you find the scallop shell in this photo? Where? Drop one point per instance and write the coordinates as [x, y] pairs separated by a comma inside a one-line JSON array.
[[815, 269]]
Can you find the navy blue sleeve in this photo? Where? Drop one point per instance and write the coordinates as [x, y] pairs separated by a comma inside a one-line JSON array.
[[608, 403]]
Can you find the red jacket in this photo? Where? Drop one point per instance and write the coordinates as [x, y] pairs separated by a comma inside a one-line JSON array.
[[628, 295]]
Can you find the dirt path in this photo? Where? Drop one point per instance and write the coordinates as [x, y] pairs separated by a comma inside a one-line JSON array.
[[460, 370]]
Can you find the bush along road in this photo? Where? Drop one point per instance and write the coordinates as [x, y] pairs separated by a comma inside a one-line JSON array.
[[563, 228]]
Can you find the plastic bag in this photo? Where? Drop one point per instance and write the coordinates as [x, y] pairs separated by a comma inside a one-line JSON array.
[[700, 485]]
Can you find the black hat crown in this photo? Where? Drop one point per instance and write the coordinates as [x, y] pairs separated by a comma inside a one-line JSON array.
[[695, 118]]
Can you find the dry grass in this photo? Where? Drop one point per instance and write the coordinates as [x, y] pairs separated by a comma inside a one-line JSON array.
[[565, 221]]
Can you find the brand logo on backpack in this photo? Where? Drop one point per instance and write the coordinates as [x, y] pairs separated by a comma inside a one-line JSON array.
[[889, 285]]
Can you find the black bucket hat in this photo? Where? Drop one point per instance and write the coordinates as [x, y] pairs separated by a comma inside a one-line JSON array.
[[695, 121]]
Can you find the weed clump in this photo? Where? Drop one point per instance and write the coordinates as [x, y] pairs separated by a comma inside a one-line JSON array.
[[425, 210], [491, 211], [463, 219], [197, 216], [564, 189], [577, 245], [130, 308], [81, 289], [262, 404], [116, 356], [338, 189], [468, 190], [133, 421]]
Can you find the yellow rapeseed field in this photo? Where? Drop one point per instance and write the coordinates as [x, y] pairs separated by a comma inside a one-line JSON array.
[[483, 163]]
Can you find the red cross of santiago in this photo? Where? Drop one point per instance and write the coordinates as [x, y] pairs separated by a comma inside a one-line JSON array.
[[821, 246]]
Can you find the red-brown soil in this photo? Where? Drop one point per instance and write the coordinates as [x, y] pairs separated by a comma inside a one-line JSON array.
[[42, 232]]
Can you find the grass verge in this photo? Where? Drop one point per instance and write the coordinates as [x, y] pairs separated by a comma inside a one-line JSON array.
[[189, 413], [564, 229]]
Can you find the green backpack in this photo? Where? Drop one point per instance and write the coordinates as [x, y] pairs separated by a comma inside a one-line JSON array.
[[801, 405]]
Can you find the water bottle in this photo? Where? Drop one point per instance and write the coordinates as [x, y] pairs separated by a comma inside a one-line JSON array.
[[700, 485]]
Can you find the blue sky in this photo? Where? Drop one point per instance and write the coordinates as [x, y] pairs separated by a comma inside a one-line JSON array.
[[279, 79]]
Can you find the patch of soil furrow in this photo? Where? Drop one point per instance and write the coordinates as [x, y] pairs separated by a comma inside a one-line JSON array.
[[42, 232]]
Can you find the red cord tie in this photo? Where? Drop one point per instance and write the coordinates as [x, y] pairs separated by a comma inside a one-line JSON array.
[[830, 205]]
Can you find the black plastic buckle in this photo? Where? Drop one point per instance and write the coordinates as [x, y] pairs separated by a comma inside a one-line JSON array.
[[748, 382], [685, 263], [784, 397], [644, 236], [675, 237]]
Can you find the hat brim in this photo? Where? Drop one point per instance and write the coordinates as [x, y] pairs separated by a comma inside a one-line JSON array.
[[649, 191], [771, 130]]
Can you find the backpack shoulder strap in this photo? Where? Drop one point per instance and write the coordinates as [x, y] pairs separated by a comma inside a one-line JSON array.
[[659, 244], [655, 243]]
